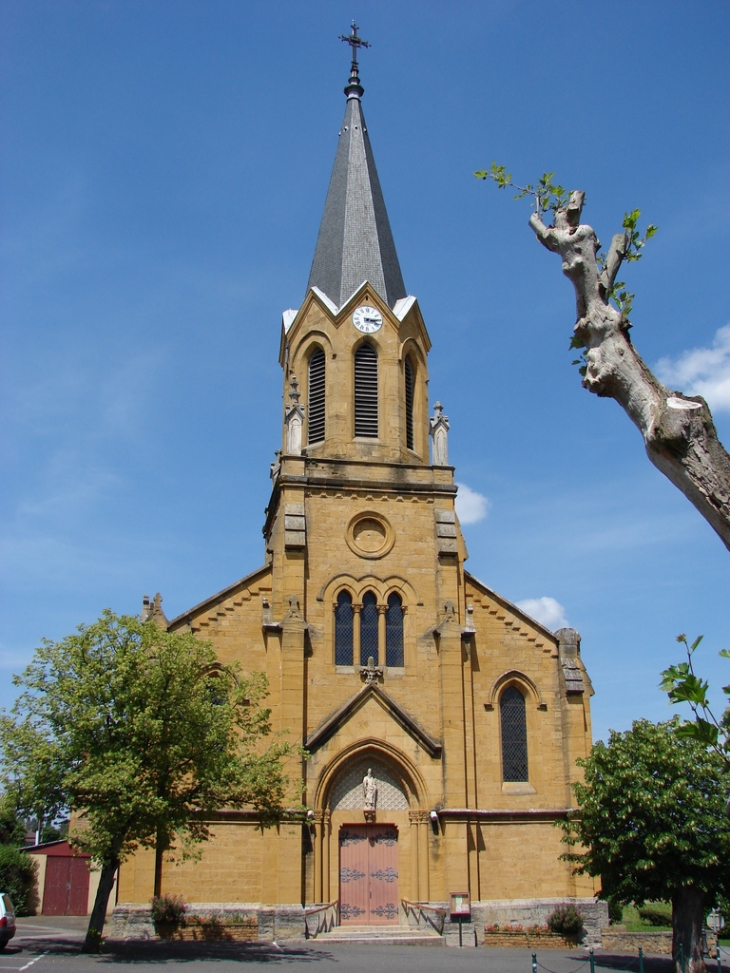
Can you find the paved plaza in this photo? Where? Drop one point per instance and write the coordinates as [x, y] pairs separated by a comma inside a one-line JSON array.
[[46, 944]]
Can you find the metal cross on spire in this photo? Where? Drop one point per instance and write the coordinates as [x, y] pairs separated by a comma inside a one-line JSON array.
[[353, 88], [354, 41]]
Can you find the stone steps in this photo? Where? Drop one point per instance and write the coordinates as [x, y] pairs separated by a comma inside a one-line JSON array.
[[386, 935]]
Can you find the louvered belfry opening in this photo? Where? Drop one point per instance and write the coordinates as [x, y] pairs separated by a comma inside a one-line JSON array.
[[369, 628], [315, 395], [366, 391], [514, 735], [409, 404], [343, 629]]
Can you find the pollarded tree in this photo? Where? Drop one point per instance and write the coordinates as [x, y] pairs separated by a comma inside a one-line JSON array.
[[142, 735], [652, 825], [678, 431]]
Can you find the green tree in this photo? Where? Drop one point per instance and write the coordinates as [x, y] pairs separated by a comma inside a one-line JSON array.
[[12, 829], [141, 735], [652, 826]]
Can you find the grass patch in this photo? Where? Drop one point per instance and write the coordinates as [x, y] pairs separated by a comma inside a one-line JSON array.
[[634, 923]]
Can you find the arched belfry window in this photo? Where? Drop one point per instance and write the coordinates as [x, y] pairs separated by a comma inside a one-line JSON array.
[[343, 629], [369, 628], [514, 735], [315, 397], [366, 391], [394, 631], [409, 403]]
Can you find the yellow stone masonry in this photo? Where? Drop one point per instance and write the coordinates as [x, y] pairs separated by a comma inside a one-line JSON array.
[[374, 516]]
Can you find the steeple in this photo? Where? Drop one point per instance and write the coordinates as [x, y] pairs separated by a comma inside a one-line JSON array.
[[355, 242]]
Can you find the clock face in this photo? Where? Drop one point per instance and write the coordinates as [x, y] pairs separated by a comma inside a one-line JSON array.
[[367, 319]]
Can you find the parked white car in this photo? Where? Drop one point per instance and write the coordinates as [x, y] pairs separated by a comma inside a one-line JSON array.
[[7, 920]]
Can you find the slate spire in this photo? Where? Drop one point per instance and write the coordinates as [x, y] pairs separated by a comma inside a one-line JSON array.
[[355, 242]]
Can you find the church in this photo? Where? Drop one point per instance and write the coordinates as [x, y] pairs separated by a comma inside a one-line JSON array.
[[442, 724]]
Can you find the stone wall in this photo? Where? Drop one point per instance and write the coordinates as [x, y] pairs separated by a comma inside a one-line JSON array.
[[617, 940], [214, 921], [535, 912]]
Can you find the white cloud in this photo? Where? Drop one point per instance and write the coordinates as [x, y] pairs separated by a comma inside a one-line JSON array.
[[470, 505], [702, 371], [547, 611]]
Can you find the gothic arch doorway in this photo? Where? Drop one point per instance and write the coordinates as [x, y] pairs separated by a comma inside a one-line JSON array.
[[368, 852], [398, 826]]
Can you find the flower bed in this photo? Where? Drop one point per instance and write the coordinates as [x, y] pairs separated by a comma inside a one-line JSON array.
[[526, 937]]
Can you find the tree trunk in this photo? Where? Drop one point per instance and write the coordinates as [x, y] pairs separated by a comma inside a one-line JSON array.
[[161, 845], [688, 914], [679, 434], [92, 943]]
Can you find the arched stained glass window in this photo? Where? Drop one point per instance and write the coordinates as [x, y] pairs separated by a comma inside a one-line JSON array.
[[343, 629], [315, 397], [366, 391], [369, 628], [394, 631], [409, 403], [514, 735]]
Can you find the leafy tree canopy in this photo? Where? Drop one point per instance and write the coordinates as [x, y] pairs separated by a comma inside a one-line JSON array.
[[652, 825], [141, 734], [652, 816], [12, 829]]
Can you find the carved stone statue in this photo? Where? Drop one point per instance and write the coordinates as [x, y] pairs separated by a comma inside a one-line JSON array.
[[370, 790], [439, 430], [294, 417]]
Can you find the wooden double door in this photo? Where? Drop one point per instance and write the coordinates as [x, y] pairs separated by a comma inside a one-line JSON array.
[[66, 890], [368, 875]]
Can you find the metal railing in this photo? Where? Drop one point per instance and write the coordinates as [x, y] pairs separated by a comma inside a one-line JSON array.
[[320, 919], [430, 914]]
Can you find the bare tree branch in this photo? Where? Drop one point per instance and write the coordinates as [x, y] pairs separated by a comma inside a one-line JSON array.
[[678, 430]]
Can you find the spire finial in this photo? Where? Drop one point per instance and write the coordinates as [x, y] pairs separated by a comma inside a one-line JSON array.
[[354, 89]]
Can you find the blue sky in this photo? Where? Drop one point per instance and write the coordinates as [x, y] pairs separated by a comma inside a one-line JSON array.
[[163, 176]]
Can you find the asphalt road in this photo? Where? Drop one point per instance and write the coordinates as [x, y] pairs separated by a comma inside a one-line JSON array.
[[46, 945]]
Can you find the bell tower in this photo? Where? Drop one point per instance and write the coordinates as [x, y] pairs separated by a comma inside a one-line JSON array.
[[358, 347], [361, 524]]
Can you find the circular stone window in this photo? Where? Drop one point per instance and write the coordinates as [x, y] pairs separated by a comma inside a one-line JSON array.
[[370, 535]]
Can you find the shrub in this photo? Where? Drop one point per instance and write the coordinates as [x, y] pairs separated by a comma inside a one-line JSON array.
[[17, 879], [656, 913], [566, 920], [168, 910], [615, 912]]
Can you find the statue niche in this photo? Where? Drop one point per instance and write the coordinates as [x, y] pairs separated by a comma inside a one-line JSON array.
[[365, 784]]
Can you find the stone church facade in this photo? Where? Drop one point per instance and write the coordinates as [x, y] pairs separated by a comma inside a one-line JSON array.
[[442, 723]]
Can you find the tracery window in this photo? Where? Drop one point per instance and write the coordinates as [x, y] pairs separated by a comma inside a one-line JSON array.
[[315, 396], [343, 629], [409, 403], [514, 735], [369, 628], [366, 391], [394, 631]]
